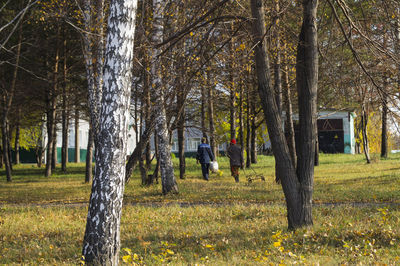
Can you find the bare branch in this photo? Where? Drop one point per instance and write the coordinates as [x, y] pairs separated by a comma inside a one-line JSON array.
[[179, 35], [354, 52], [18, 17]]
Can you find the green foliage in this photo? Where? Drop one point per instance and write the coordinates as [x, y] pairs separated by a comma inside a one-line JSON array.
[[29, 137], [222, 128]]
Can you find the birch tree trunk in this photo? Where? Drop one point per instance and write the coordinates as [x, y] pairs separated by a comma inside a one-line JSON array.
[[168, 180], [397, 44], [296, 188], [101, 243]]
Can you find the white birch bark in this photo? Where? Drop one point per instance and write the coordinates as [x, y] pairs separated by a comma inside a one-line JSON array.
[[102, 237], [397, 43], [168, 180]]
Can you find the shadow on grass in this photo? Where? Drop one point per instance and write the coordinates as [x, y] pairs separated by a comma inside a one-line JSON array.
[[26, 174]]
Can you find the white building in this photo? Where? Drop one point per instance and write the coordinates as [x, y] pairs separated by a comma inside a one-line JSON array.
[[83, 140]]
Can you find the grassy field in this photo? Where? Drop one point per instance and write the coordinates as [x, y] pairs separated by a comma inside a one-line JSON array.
[[220, 222]]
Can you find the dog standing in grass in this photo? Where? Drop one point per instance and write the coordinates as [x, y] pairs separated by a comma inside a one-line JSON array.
[[235, 156], [205, 156]]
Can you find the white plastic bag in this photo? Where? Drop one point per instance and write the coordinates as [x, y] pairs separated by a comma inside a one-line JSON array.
[[214, 166]]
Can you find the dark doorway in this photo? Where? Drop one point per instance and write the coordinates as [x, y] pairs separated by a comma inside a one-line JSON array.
[[331, 141], [330, 135]]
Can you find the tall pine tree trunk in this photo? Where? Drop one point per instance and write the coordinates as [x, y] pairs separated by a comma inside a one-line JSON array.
[[253, 133], [241, 135], [181, 131], [210, 98], [248, 129], [136, 155], [54, 153], [364, 130], [39, 149], [77, 140], [277, 64], [54, 97], [157, 91], [94, 51], [64, 147], [6, 106], [147, 110], [203, 112], [17, 136], [232, 112], [50, 124], [1, 156], [89, 157], [65, 113], [384, 142], [9, 131], [4, 137], [101, 243], [51, 108]]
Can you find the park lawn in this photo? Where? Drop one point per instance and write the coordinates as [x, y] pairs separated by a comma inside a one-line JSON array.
[[217, 222], [339, 178]]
